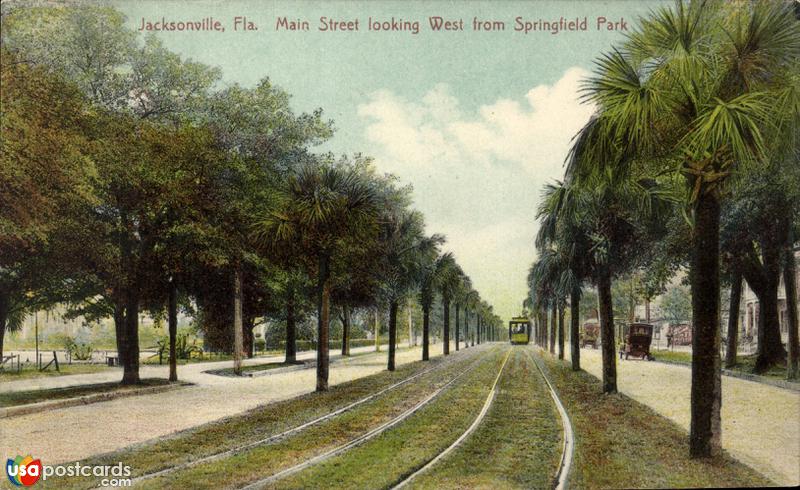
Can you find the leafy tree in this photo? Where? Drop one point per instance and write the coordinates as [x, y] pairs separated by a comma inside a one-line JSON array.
[[676, 304], [44, 172]]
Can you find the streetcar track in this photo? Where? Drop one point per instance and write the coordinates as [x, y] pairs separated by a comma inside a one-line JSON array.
[[568, 446], [484, 410], [360, 439], [289, 432]]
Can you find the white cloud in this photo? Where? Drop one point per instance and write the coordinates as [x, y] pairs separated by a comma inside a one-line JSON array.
[[477, 177]]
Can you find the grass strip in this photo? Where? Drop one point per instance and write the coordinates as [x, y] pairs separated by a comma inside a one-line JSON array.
[[16, 398], [255, 368], [399, 451], [261, 461], [256, 424], [621, 443], [744, 364], [30, 371], [517, 446]]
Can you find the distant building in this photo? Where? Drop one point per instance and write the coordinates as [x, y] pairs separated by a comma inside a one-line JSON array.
[[748, 313]]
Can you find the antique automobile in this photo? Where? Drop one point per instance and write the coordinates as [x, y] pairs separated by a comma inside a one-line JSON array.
[[637, 340], [590, 334]]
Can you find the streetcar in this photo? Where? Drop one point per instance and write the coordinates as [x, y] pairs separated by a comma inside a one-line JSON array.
[[519, 330]]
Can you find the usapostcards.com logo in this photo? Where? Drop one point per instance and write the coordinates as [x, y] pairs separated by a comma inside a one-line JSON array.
[[25, 471]]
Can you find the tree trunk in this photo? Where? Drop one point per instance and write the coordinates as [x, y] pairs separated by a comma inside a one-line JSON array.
[[478, 328], [238, 340], [120, 327], [172, 319], [607, 332], [2, 331], [377, 330], [130, 362], [790, 286], [458, 329], [472, 335], [248, 336], [323, 321], [545, 329], [466, 327], [561, 332], [446, 327], [770, 347], [291, 330], [410, 327], [706, 392], [426, 313], [553, 319], [574, 330], [733, 321], [4, 308], [392, 332], [346, 331]]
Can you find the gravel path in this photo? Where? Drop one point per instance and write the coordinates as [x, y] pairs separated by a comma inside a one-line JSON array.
[[760, 423], [78, 432]]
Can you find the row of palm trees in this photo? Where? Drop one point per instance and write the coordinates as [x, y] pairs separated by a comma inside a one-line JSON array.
[[334, 215], [697, 93]]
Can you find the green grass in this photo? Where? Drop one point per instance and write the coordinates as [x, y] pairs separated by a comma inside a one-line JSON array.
[[35, 396], [30, 371], [269, 459], [744, 364], [518, 445], [624, 444], [673, 356], [263, 422], [384, 460], [255, 368]]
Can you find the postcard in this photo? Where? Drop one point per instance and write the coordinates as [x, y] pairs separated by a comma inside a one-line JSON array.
[[385, 244]]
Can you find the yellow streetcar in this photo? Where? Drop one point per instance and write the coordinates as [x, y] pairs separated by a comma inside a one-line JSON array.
[[519, 330]]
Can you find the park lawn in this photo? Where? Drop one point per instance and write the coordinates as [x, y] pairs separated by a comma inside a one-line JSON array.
[[29, 371], [744, 364], [15, 398], [624, 444], [257, 424], [518, 445], [389, 457]]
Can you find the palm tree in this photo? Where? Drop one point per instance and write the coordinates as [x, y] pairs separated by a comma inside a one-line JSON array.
[[405, 251], [701, 90], [428, 284], [471, 302], [545, 275], [561, 230], [322, 207], [459, 299], [449, 277]]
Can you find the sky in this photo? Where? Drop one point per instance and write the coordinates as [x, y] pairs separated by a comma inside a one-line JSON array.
[[476, 121]]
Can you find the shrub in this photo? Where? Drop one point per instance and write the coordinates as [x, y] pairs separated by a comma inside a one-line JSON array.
[[78, 351]]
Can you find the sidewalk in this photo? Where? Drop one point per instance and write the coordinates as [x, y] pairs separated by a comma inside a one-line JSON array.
[[78, 432], [760, 423]]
